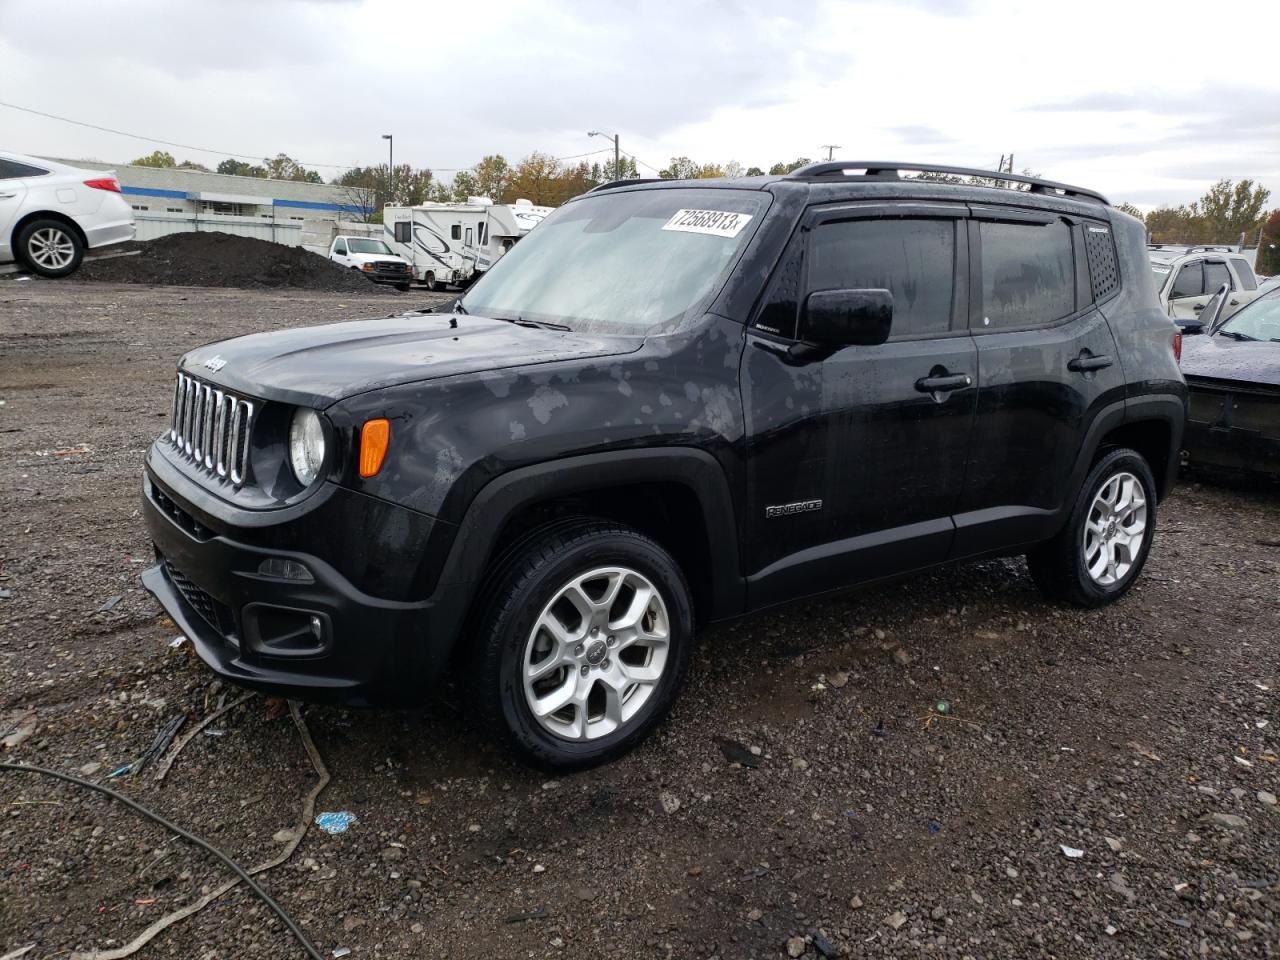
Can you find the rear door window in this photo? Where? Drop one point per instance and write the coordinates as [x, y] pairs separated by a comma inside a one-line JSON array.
[[1215, 275], [1028, 274], [1189, 282], [912, 259]]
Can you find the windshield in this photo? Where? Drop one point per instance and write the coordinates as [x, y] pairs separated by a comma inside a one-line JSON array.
[[368, 246], [1260, 320], [633, 263]]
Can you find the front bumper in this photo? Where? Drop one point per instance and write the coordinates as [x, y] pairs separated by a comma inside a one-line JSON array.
[[323, 640]]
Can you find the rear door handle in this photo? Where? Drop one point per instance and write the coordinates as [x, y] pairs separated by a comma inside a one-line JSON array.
[[944, 383], [6, 196], [1087, 364]]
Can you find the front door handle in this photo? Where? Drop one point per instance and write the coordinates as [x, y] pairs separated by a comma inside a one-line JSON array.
[[7, 196], [1085, 363], [943, 383]]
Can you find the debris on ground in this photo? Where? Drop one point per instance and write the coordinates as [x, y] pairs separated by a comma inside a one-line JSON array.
[[538, 914], [1071, 853], [217, 259], [163, 770], [16, 728], [335, 821], [736, 752]]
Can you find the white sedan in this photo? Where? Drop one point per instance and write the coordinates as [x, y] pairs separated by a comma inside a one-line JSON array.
[[50, 213]]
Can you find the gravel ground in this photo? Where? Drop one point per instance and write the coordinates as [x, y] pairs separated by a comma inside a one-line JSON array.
[[804, 799]]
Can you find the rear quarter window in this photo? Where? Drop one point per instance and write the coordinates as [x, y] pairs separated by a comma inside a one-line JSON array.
[[1104, 272], [1248, 281], [13, 170]]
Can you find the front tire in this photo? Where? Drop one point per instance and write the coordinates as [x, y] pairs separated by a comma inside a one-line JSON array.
[[49, 248], [584, 638], [1096, 557]]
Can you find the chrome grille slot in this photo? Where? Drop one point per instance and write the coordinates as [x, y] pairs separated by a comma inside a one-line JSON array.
[[210, 427]]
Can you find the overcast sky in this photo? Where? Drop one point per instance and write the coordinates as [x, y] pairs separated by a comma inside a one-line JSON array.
[[1149, 103]]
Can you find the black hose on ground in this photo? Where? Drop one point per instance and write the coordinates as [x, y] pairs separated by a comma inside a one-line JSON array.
[[185, 834]]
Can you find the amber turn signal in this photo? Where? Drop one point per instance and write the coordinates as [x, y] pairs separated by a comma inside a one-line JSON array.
[[375, 437]]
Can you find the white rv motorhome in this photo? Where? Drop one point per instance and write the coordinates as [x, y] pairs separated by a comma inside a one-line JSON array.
[[455, 242]]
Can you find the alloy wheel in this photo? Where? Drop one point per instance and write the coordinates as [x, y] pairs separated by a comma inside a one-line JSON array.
[[51, 248], [596, 653], [1114, 529]]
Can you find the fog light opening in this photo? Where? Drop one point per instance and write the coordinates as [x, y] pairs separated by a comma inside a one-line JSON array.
[[280, 568]]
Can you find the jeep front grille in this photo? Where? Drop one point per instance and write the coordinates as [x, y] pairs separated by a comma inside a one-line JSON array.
[[210, 428]]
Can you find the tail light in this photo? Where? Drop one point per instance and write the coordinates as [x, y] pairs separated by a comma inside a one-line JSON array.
[[104, 183], [1177, 346]]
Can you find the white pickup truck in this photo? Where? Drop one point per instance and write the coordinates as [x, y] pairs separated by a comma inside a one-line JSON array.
[[373, 258]]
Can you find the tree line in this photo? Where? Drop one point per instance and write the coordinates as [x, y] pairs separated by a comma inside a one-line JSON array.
[[1227, 210]]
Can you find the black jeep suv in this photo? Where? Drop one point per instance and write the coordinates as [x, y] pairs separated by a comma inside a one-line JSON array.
[[673, 403]]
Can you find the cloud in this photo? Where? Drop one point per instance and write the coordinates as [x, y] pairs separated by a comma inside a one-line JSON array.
[[920, 134], [944, 81]]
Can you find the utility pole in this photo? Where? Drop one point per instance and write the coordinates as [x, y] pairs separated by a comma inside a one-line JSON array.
[[391, 165], [617, 152], [831, 148]]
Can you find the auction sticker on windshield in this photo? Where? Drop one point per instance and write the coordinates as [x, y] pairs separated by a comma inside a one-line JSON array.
[[718, 223]]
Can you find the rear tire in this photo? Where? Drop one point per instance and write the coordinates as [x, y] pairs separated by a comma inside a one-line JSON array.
[[49, 248], [1100, 551], [584, 636]]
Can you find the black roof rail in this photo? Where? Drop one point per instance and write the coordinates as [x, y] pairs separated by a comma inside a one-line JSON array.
[[624, 183], [890, 170]]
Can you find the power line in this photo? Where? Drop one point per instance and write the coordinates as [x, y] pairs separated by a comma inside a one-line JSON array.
[[167, 143], [243, 156]]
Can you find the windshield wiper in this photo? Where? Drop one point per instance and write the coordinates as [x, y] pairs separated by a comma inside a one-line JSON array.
[[1235, 335], [459, 308], [540, 324]]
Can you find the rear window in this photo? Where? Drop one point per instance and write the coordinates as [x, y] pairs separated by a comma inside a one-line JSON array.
[[1028, 274]]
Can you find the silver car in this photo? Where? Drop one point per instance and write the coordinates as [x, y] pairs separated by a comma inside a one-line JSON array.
[[50, 213]]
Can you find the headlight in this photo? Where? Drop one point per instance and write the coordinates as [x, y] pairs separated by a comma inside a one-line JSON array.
[[306, 446]]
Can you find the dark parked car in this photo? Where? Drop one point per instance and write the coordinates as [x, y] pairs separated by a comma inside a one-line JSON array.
[[673, 403], [1233, 374]]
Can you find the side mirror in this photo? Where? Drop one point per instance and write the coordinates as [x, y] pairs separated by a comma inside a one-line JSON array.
[[1211, 317], [845, 318]]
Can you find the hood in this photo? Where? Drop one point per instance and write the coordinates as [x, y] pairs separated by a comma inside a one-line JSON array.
[[1221, 358], [317, 366], [374, 257]]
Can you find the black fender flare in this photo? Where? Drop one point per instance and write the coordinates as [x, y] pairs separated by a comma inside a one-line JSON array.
[[502, 497], [1165, 407]]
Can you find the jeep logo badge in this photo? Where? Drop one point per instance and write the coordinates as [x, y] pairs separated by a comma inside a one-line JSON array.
[[215, 363]]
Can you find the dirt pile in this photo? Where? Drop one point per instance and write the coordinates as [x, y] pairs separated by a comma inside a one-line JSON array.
[[224, 260]]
